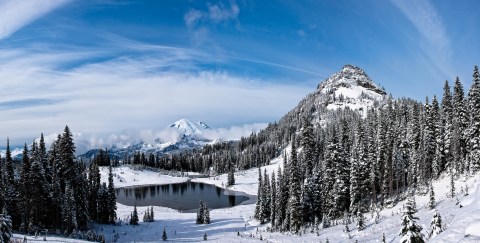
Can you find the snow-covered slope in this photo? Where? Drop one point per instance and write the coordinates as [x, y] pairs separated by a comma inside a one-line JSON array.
[[184, 134], [351, 87]]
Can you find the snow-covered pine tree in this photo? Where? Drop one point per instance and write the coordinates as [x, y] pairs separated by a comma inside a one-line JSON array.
[[25, 187], [460, 124], [431, 202], [439, 154], [231, 176], [429, 141], [473, 138], [308, 144], [273, 201], [258, 207], [341, 188], [93, 189], [410, 231], [452, 184], [38, 192], [134, 216], [294, 202], [447, 120], [112, 198], [152, 214], [266, 193], [5, 227], [200, 213], [206, 214], [146, 216], [102, 204], [436, 225], [280, 206]]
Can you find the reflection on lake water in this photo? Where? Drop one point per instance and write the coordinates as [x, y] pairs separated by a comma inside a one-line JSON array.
[[180, 196]]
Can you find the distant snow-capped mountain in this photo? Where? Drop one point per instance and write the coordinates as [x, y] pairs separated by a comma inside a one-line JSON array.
[[186, 135]]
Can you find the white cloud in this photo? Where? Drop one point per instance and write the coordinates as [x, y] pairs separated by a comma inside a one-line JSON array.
[[220, 13], [429, 24], [16, 14], [127, 93]]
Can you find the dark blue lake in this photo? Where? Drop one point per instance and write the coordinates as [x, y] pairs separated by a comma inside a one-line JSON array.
[[181, 196]]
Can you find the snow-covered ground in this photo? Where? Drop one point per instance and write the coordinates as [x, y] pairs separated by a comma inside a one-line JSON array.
[[462, 224]]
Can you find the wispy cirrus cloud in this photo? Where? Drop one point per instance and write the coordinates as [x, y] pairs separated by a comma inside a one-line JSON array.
[[429, 24], [99, 97], [16, 14]]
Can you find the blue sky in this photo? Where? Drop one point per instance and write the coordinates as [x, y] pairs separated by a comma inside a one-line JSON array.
[[106, 67]]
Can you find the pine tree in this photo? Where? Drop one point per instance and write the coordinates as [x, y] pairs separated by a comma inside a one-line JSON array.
[[205, 236], [94, 187], [460, 124], [308, 144], [294, 202], [273, 201], [231, 176], [5, 227], [112, 198], [152, 215], [266, 193], [25, 187], [38, 191], [206, 214], [432, 203], [447, 120], [134, 216], [102, 204], [436, 225], [146, 216], [164, 235], [410, 231], [452, 184], [473, 134], [259, 204], [200, 213]]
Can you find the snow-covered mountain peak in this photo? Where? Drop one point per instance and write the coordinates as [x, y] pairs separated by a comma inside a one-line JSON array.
[[353, 78], [189, 128], [350, 87]]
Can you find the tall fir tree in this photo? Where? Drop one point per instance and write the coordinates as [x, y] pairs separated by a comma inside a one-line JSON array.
[[473, 135], [410, 231], [294, 202], [112, 198]]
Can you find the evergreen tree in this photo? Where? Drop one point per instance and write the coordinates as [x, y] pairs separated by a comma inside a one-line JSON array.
[[205, 236], [266, 193], [200, 213], [473, 135], [134, 216], [164, 235], [25, 188], [273, 201], [294, 202], [308, 144], [5, 227], [112, 198], [38, 192], [231, 176], [460, 123], [206, 214], [431, 203], [102, 204], [94, 187], [152, 215], [259, 205], [410, 231], [447, 120], [436, 225]]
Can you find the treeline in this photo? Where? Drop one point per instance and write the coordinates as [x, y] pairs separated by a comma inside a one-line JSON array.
[[52, 190], [361, 164]]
